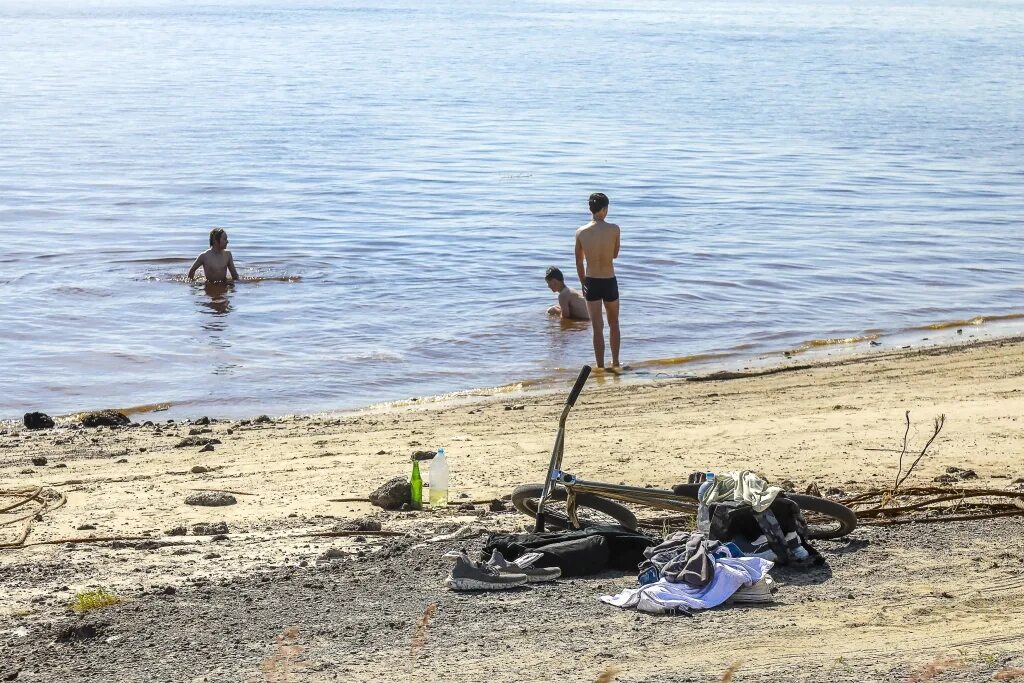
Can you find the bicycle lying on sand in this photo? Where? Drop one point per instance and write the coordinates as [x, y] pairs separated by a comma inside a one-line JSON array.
[[564, 501]]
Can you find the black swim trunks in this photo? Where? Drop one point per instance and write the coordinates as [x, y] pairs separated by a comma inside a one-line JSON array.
[[600, 288]]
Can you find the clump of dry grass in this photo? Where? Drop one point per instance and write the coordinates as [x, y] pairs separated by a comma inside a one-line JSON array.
[[419, 634], [284, 660], [730, 672], [933, 669], [97, 598], [609, 674]]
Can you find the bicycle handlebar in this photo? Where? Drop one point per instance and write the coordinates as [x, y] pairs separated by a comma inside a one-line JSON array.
[[578, 387]]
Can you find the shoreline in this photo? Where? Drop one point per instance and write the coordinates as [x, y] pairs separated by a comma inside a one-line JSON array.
[[712, 366]]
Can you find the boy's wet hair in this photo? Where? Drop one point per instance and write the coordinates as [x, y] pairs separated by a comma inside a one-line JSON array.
[[598, 201], [553, 273], [215, 235]]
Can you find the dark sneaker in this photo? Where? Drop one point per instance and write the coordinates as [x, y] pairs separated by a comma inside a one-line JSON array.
[[468, 575], [524, 565]]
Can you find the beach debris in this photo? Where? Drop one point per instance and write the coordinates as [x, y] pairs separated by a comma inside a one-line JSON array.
[[497, 506], [955, 474], [180, 530], [193, 441], [515, 406], [211, 499], [359, 524], [262, 419], [202, 421], [38, 421], [39, 461], [200, 469], [207, 448], [391, 494], [105, 418], [422, 455], [209, 528]]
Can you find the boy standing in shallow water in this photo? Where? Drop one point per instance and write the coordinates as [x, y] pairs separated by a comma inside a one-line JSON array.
[[597, 245], [571, 304], [217, 260]]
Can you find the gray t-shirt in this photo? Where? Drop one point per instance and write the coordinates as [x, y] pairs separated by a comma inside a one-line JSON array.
[[573, 303]]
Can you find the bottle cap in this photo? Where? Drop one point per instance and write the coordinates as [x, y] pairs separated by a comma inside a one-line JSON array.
[[709, 476]]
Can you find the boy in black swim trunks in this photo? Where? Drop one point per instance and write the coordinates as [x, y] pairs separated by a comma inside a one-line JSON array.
[[597, 245]]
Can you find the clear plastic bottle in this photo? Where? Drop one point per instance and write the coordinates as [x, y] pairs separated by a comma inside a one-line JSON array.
[[703, 512], [439, 479]]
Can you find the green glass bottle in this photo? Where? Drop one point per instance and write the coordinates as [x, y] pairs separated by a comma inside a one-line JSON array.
[[416, 487]]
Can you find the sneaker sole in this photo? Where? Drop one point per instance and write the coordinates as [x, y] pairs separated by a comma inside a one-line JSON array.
[[476, 585]]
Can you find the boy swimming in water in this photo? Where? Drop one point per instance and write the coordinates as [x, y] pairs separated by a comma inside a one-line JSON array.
[[217, 260], [571, 305]]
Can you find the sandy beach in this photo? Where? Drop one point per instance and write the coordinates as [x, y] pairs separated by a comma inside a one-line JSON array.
[[259, 603]]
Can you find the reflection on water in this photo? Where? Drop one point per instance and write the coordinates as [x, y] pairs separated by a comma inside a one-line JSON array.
[[216, 300]]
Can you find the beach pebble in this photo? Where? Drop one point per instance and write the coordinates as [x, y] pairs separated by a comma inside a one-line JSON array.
[[497, 506], [202, 421], [39, 461], [85, 527], [207, 448], [262, 419], [28, 471], [199, 469], [332, 554], [210, 528], [105, 418], [360, 524], [38, 421], [392, 494], [421, 455], [211, 499], [193, 441], [179, 530], [121, 461]]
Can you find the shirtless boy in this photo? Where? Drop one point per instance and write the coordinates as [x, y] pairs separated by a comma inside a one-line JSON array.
[[597, 245], [571, 304], [217, 260]]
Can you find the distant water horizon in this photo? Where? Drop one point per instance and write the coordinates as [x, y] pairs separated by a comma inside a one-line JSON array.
[[394, 181]]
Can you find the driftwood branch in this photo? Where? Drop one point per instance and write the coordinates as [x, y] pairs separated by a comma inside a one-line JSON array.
[[939, 422]]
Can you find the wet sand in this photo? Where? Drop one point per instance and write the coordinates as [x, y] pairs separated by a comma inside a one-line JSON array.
[[890, 601]]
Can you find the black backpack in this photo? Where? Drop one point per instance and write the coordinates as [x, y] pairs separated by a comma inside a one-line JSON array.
[[781, 528]]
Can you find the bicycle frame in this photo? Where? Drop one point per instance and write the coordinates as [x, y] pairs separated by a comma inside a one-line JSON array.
[[664, 499]]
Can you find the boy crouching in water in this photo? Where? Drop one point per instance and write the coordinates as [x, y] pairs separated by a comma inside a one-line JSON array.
[[571, 304], [217, 260]]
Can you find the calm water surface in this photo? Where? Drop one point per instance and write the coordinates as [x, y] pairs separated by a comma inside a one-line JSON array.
[[404, 172]]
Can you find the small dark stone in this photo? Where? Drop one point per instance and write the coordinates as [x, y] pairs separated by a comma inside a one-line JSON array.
[[39, 461], [333, 554], [946, 479], [179, 530], [60, 465], [262, 419], [105, 418], [193, 441], [85, 527], [787, 486], [497, 506], [962, 473], [38, 421], [210, 529], [28, 471], [392, 494], [122, 460], [199, 469], [382, 452], [147, 423], [81, 632], [170, 590], [207, 448], [466, 507], [423, 455], [211, 499], [220, 537], [360, 524], [202, 421]]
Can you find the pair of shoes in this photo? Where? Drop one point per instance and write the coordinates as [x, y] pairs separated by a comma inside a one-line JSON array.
[[524, 565], [468, 575]]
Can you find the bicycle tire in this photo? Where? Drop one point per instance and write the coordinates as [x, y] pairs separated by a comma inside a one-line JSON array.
[[843, 519], [526, 497]]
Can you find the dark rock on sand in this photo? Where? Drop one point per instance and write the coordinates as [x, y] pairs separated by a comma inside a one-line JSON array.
[[179, 530], [38, 421], [85, 527], [392, 494], [39, 461], [360, 524], [209, 528], [497, 506], [193, 441], [105, 418], [202, 421], [787, 486], [211, 499], [423, 455], [262, 419], [73, 632], [199, 469], [207, 448]]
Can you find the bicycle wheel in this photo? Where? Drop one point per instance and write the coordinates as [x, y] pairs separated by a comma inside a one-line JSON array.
[[825, 518], [591, 510]]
